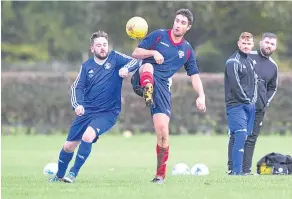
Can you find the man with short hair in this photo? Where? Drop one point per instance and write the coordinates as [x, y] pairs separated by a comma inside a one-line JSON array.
[[164, 52], [240, 83], [267, 72], [96, 99]]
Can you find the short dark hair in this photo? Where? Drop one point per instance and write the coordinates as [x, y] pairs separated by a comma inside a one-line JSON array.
[[269, 35], [98, 34], [187, 13], [245, 36]]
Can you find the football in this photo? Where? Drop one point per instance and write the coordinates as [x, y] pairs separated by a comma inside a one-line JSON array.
[[137, 28], [199, 170], [180, 169], [50, 169]]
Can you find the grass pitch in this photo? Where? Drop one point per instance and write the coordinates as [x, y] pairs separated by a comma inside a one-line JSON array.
[[123, 167]]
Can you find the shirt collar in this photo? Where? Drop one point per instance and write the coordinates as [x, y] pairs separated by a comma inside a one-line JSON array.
[[242, 54]]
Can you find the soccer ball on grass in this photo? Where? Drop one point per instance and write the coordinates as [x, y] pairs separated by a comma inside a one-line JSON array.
[[50, 169], [180, 169], [199, 170]]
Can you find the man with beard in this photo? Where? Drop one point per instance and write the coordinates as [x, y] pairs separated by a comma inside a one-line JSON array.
[[96, 99], [267, 71], [164, 52], [240, 83]]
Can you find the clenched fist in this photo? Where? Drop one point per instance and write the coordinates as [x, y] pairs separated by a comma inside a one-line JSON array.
[[200, 103], [158, 57], [123, 72], [79, 110]]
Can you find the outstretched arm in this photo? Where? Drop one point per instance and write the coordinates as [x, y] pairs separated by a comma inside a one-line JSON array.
[[141, 53], [126, 64], [146, 48]]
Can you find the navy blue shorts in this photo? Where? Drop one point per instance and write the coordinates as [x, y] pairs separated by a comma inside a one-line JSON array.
[[161, 95], [100, 122], [241, 118]]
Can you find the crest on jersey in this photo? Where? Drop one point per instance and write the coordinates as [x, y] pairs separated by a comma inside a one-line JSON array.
[[107, 66], [181, 54], [90, 73]]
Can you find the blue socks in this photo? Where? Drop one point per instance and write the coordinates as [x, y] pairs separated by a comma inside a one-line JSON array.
[[64, 159], [238, 151], [82, 154]]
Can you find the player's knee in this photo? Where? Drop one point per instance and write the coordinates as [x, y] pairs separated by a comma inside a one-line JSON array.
[[147, 67], [162, 135], [252, 139], [240, 138], [161, 122], [70, 146], [89, 135], [162, 130]]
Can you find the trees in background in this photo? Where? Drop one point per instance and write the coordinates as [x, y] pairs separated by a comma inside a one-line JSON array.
[[48, 31]]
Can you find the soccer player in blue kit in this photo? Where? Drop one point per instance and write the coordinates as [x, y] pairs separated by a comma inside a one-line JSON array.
[[96, 99], [164, 52], [240, 83]]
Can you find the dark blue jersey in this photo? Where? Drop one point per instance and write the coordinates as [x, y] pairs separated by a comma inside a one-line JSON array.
[[240, 80], [175, 55], [98, 87]]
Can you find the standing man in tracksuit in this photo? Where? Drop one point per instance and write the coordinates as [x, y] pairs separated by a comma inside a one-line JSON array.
[[267, 71], [240, 83]]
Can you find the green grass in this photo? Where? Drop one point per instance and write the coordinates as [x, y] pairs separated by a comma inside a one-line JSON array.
[[123, 167]]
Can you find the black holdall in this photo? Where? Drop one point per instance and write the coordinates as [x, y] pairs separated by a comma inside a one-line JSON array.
[[275, 164]]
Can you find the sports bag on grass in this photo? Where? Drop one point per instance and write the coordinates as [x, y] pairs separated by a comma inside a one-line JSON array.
[[275, 164]]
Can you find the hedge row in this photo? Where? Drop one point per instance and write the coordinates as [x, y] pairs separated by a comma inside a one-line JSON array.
[[41, 101]]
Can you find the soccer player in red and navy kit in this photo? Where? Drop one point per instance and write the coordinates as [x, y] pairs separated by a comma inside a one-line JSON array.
[[164, 52], [96, 99]]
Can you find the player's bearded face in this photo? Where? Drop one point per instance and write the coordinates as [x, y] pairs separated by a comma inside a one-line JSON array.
[[245, 45], [180, 25], [100, 48], [268, 46]]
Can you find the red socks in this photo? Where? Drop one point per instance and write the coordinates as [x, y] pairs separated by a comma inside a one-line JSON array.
[[145, 78], [162, 157]]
